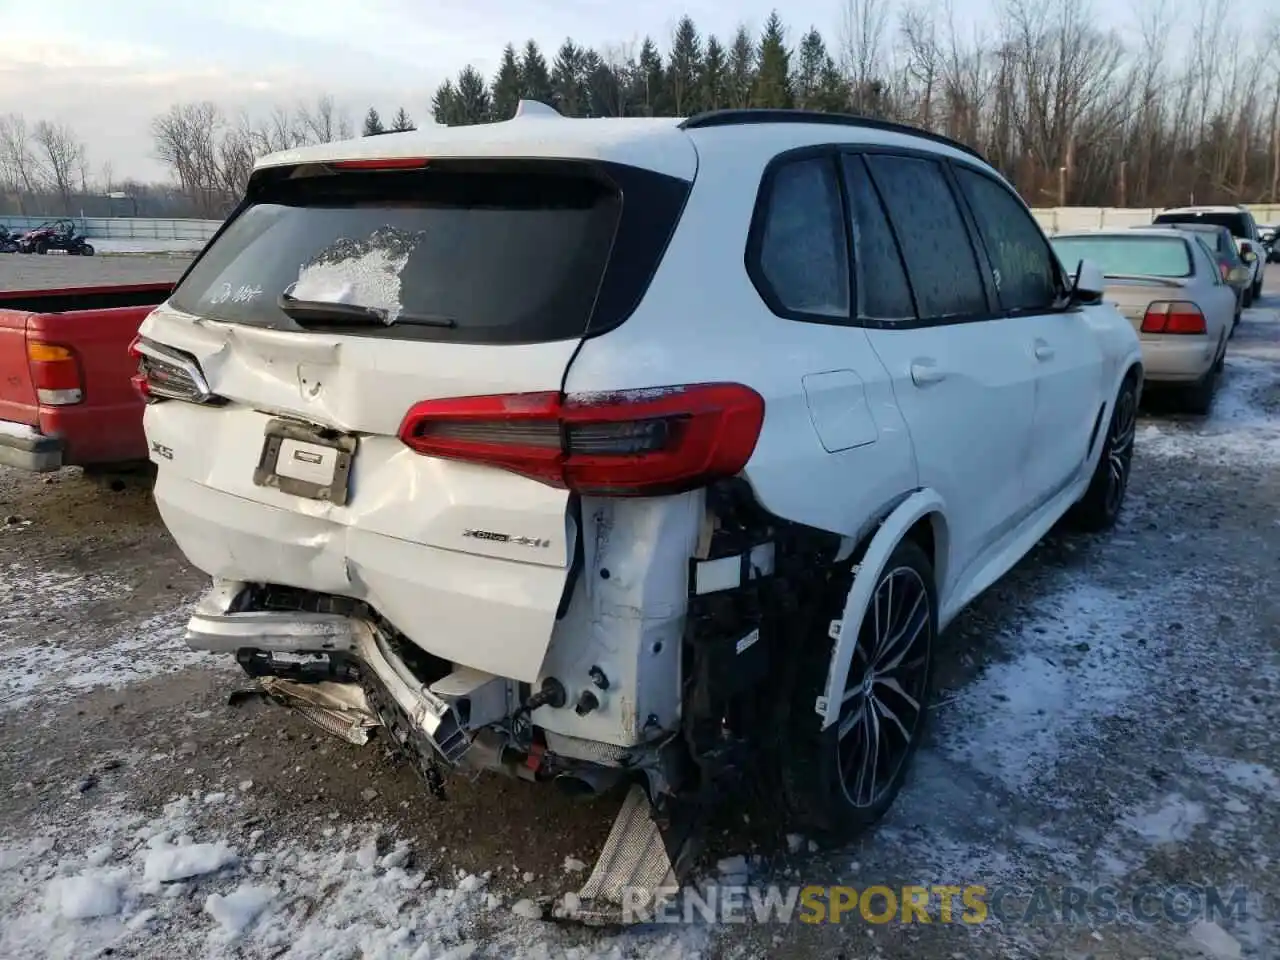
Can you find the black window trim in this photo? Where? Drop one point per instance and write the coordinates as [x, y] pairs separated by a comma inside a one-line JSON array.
[[755, 238]]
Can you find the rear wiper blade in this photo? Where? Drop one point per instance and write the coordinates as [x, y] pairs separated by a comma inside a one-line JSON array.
[[332, 313]]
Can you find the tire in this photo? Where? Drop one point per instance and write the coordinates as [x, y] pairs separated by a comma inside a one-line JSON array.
[[1099, 508], [42, 248], [1256, 290], [86, 250], [1198, 398], [823, 793], [1247, 297]]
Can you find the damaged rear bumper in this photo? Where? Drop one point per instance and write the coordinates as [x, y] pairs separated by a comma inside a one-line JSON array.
[[218, 627]]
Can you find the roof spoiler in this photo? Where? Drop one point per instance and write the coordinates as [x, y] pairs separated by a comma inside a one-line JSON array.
[[533, 109]]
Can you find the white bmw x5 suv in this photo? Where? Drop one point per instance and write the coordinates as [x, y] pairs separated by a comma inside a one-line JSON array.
[[647, 449]]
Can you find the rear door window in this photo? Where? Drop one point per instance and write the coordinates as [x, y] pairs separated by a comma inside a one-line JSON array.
[[492, 253], [940, 258]]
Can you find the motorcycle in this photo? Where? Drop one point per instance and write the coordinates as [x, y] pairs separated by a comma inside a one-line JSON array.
[[8, 241]]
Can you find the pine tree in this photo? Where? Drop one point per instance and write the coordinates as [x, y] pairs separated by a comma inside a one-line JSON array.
[[401, 123], [445, 106], [712, 83], [506, 85], [833, 89], [741, 71], [650, 82], [598, 92], [683, 67], [773, 60], [808, 80], [474, 103], [535, 81], [373, 123], [568, 89]]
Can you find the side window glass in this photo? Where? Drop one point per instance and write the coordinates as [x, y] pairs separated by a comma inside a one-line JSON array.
[[1021, 264], [803, 260], [883, 290], [940, 258]]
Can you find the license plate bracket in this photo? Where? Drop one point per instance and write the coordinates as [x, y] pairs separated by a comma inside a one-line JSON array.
[[306, 460]]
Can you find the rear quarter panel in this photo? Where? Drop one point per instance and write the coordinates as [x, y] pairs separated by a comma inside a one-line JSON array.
[[107, 425], [17, 394]]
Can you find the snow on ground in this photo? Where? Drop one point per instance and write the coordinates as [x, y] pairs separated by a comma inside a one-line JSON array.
[[49, 671], [345, 891], [104, 245], [1243, 425]]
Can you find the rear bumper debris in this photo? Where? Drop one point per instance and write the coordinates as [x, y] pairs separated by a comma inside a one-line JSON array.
[[337, 708], [217, 627]]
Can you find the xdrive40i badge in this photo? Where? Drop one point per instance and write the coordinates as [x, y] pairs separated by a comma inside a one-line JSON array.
[[506, 538]]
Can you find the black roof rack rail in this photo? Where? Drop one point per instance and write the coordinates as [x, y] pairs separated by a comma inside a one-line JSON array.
[[729, 118]]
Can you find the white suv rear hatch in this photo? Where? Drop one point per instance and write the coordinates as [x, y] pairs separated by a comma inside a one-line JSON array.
[[345, 295]]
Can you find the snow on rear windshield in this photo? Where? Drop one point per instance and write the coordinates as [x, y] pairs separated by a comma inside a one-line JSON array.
[[1120, 256], [511, 256], [364, 272]]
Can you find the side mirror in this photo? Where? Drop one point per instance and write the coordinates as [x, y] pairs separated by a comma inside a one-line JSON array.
[[1247, 255], [1087, 285], [1237, 276]]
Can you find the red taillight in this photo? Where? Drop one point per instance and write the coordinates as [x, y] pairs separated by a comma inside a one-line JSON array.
[[165, 373], [55, 373], [632, 443], [1173, 316], [139, 379], [380, 163]]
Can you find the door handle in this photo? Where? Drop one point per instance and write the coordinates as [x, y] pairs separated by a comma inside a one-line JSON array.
[[924, 373], [1043, 351]]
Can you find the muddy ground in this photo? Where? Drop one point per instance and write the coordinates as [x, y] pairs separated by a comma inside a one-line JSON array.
[[1107, 715]]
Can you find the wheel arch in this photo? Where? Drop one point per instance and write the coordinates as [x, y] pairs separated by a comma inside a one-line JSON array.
[[921, 517]]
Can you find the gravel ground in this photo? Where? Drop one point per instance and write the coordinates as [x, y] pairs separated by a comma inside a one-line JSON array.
[[31, 272], [1107, 717]]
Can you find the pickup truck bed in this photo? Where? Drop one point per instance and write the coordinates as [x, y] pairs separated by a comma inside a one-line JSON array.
[[65, 392]]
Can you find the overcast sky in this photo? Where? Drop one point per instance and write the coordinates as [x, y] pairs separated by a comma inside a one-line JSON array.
[[108, 67]]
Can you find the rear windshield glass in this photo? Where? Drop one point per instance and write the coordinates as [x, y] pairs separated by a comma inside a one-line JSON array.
[[1237, 224], [497, 254], [1127, 256]]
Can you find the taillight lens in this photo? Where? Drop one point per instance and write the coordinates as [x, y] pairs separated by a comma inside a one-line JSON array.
[[55, 373], [633, 443], [165, 373], [1173, 316]]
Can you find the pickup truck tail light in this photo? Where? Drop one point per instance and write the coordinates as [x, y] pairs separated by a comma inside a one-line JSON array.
[[55, 372], [635, 443], [165, 373], [1173, 316]]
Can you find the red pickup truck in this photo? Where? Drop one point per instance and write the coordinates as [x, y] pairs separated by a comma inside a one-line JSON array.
[[66, 396]]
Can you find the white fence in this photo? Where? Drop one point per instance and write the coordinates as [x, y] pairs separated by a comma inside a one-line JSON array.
[[1053, 219], [1056, 219], [125, 228]]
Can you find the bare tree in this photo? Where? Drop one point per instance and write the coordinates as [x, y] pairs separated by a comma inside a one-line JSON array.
[[324, 123], [60, 155], [18, 164]]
